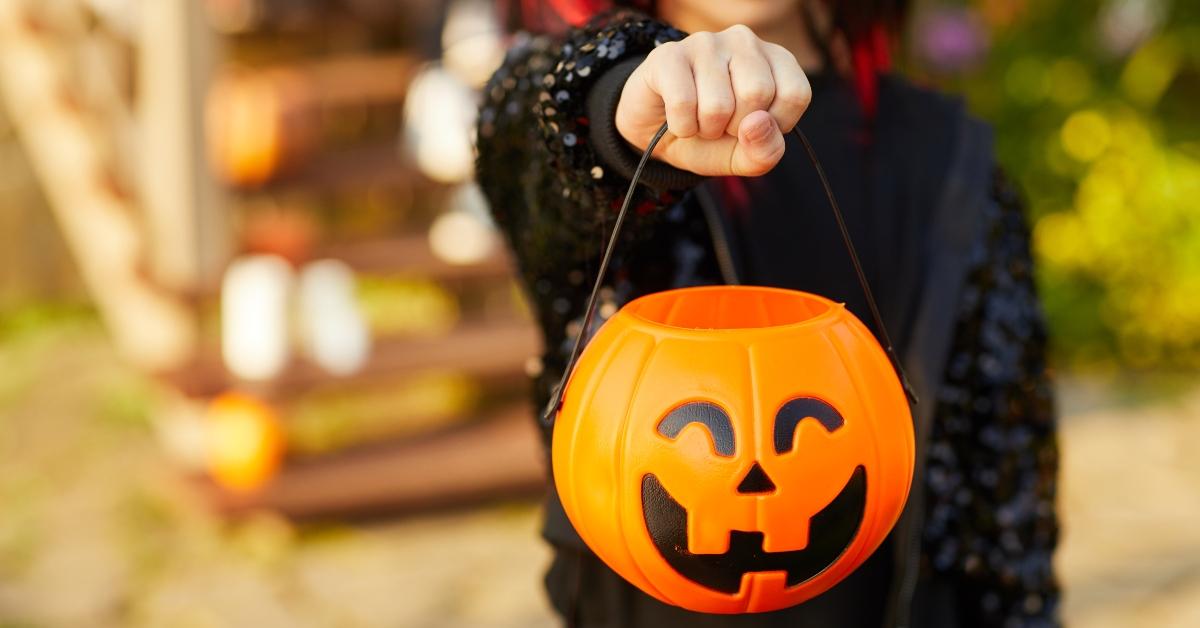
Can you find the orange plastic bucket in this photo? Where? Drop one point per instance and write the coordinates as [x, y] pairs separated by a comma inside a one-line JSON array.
[[732, 449]]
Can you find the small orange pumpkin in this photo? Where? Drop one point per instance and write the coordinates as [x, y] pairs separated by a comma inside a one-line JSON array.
[[733, 449], [245, 441]]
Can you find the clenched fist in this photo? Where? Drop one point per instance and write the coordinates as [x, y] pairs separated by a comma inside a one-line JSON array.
[[727, 99]]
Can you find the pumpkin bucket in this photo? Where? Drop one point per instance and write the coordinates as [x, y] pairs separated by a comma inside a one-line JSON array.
[[732, 449]]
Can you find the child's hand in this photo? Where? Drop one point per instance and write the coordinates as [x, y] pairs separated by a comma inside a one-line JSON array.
[[727, 98]]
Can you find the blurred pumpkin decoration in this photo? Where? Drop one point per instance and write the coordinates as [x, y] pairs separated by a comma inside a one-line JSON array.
[[256, 126], [245, 441], [732, 449]]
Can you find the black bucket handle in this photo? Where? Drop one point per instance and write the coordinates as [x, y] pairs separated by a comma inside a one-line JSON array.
[[556, 398]]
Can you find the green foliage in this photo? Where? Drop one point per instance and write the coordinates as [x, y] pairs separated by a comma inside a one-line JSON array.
[[1105, 141], [33, 319]]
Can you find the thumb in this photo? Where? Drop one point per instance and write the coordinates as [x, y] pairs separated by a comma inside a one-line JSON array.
[[759, 147]]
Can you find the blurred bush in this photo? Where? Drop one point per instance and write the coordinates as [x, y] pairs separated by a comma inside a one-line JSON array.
[[1094, 104]]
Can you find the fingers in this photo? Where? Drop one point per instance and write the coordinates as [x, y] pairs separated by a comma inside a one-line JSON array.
[[715, 103], [759, 145], [727, 99], [793, 93], [750, 74], [671, 78]]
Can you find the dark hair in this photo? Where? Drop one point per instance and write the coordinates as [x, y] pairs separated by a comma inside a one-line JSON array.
[[870, 26]]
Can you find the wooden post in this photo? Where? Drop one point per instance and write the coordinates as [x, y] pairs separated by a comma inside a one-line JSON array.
[[186, 213], [66, 149]]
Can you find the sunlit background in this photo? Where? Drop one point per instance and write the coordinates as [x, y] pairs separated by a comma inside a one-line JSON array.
[[262, 362]]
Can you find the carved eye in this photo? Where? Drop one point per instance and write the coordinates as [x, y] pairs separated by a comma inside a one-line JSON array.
[[795, 411], [711, 416]]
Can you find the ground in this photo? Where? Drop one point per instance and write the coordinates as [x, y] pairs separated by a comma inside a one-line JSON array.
[[96, 530]]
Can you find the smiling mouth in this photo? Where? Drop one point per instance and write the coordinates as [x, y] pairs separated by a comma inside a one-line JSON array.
[[830, 532]]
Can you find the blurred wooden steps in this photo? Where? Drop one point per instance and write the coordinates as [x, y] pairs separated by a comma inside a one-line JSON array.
[[413, 255], [492, 457], [493, 349]]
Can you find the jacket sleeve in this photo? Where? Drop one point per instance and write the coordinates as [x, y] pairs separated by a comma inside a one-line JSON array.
[[540, 161], [993, 456]]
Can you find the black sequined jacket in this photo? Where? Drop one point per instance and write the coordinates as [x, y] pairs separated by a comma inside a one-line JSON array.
[[981, 526]]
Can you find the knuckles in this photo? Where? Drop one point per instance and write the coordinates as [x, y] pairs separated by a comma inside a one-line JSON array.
[[682, 106], [795, 96], [717, 109], [741, 32], [666, 50], [702, 42], [737, 39], [758, 95]]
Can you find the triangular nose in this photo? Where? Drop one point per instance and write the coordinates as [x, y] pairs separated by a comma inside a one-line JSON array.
[[756, 481]]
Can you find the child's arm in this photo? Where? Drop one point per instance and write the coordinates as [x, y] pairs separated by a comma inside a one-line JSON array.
[[563, 125], [550, 191], [993, 459]]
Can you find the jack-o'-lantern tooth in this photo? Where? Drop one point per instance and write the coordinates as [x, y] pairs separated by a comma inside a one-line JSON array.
[[707, 536], [786, 530], [709, 524]]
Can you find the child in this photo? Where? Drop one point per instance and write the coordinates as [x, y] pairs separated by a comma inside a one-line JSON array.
[[941, 232]]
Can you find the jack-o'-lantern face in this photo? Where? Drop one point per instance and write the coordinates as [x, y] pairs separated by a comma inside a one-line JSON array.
[[830, 530], [733, 449]]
